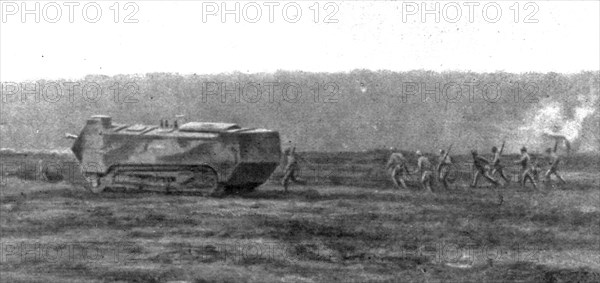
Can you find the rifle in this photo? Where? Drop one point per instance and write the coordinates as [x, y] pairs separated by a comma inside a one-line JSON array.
[[448, 151], [439, 166], [502, 147]]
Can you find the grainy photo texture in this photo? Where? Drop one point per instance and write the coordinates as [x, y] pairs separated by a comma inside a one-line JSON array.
[[299, 141]]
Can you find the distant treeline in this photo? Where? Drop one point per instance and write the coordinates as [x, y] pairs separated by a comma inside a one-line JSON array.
[[358, 110]]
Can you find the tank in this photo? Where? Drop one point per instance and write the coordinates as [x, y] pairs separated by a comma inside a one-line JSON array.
[[202, 157]]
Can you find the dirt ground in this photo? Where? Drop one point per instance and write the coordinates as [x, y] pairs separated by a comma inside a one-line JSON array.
[[59, 232]]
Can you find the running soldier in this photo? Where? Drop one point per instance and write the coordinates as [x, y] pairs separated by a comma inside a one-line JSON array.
[[397, 168], [497, 165], [290, 168], [481, 166], [535, 172], [527, 172], [443, 167], [41, 171], [554, 160], [424, 168]]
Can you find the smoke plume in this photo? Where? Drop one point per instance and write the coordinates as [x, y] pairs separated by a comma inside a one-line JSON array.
[[553, 122]]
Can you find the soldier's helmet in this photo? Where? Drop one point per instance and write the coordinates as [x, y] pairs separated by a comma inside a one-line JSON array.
[[523, 149], [287, 151], [494, 149], [474, 152], [442, 152], [418, 152]]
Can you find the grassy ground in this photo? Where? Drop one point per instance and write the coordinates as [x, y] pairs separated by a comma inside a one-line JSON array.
[[58, 232]]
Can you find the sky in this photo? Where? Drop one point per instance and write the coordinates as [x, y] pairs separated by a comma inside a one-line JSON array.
[[67, 41]]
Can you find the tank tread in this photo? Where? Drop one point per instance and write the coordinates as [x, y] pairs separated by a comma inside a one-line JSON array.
[[197, 179]]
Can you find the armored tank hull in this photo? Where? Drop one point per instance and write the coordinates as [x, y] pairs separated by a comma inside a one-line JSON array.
[[205, 158]]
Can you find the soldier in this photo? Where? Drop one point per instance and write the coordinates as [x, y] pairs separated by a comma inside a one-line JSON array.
[[41, 171], [424, 167], [291, 165], [481, 166], [496, 164], [397, 168], [443, 167], [554, 160], [527, 172], [535, 171]]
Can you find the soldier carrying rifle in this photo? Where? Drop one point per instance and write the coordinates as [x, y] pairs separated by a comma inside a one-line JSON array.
[[554, 160], [424, 167], [397, 168], [291, 166], [497, 165], [481, 169], [443, 167], [527, 172]]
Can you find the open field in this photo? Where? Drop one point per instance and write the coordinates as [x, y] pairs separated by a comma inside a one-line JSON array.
[[342, 226]]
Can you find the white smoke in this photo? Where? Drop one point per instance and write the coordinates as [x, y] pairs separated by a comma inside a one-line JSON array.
[[551, 121], [571, 129]]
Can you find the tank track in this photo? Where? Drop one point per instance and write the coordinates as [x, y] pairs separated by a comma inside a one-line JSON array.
[[195, 179]]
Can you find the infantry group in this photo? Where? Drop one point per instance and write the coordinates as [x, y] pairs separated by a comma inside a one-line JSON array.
[[398, 168]]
